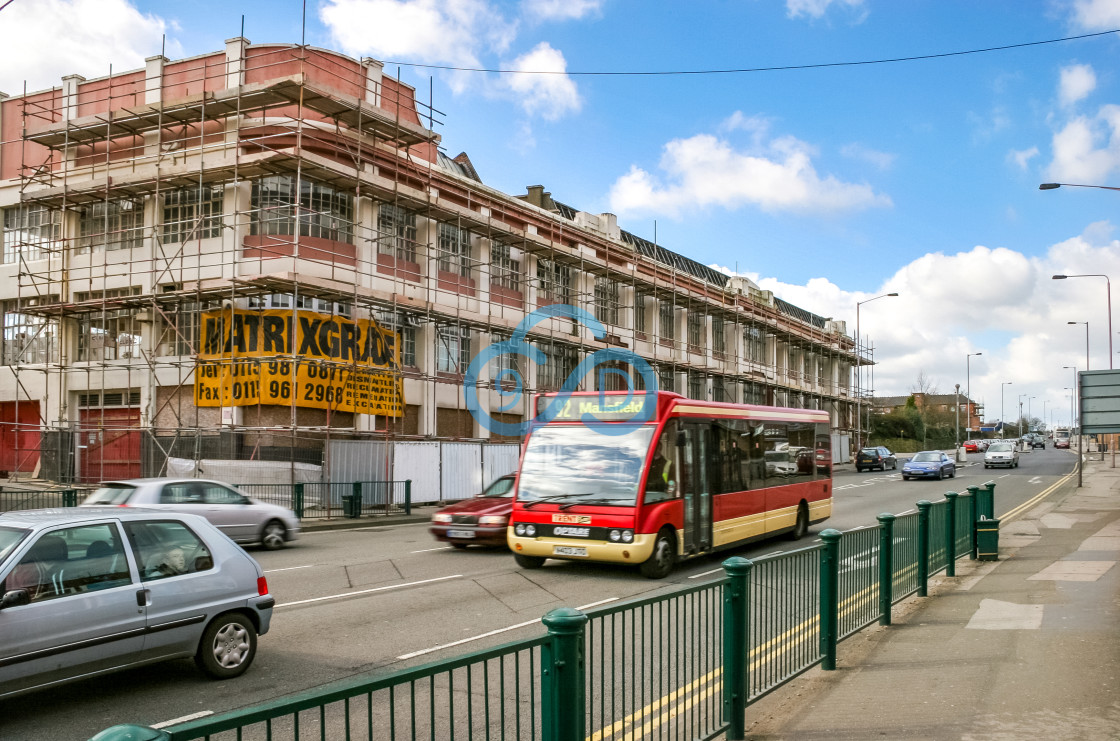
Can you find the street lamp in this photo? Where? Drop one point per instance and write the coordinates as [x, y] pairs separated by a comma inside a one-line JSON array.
[[859, 370], [1072, 404], [1108, 288], [968, 388], [1053, 186], [1029, 412], [1086, 342], [1002, 413]]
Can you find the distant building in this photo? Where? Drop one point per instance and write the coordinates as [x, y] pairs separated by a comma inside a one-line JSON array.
[[970, 411]]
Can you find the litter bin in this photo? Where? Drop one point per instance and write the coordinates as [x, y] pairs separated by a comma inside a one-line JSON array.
[[352, 505], [69, 498], [987, 540]]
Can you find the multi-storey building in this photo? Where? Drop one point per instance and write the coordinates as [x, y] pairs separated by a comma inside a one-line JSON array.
[[150, 216]]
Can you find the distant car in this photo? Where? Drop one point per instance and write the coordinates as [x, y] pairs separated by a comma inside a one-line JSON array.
[[1038, 441], [984, 443], [972, 446], [876, 457], [932, 464], [90, 591], [1061, 442], [242, 518], [478, 521], [1002, 454]]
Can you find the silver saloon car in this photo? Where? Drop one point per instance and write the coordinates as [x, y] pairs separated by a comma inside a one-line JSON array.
[[85, 592], [1002, 454], [242, 518]]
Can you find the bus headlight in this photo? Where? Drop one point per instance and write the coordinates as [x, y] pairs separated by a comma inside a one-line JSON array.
[[531, 531], [519, 528], [627, 536], [615, 535]]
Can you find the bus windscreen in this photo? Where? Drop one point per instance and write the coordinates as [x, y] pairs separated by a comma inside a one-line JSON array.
[[582, 464]]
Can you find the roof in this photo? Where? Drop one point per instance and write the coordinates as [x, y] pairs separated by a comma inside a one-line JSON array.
[[34, 518]]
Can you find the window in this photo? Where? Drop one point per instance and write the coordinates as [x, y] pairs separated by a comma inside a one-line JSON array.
[[111, 333], [192, 213], [30, 232], [454, 250], [112, 225], [181, 327], [666, 380], [560, 362], [166, 549], [555, 282], [697, 386], [324, 212], [697, 328], [71, 561], [311, 303], [754, 345], [505, 266], [719, 338], [639, 311], [453, 349], [27, 338], [667, 320], [405, 327], [720, 391], [397, 232], [505, 366], [753, 393], [606, 299]]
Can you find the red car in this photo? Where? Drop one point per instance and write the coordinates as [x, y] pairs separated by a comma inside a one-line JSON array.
[[478, 521], [971, 446], [1061, 442]]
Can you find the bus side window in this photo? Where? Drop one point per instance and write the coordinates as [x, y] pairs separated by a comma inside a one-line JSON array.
[[661, 484]]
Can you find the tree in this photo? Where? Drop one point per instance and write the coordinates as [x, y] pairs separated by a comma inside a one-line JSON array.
[[923, 384]]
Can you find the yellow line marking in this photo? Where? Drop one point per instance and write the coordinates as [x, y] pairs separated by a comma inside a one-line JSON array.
[[1036, 499]]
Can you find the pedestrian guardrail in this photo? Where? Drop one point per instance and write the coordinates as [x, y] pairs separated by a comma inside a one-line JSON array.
[[337, 499], [13, 498], [682, 664]]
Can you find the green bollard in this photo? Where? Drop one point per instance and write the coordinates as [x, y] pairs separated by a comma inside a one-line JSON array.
[[988, 502], [951, 533], [886, 566], [736, 647], [297, 501], [129, 732], [356, 499], [923, 547], [562, 680], [830, 597], [408, 496]]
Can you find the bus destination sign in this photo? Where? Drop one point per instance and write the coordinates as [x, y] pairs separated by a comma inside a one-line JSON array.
[[598, 408]]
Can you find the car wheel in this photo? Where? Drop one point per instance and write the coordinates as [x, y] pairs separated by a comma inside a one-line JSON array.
[[228, 646], [660, 563], [801, 529], [460, 546], [894, 466], [274, 535], [528, 562], [905, 477], [940, 474], [953, 473]]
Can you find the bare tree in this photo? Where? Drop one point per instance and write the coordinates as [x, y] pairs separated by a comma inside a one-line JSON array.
[[923, 384]]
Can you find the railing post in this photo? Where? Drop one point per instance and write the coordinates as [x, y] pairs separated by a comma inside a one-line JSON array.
[[736, 649], [562, 677], [950, 533], [408, 496], [886, 567], [988, 508], [923, 547], [297, 500], [830, 597], [974, 515], [356, 499]]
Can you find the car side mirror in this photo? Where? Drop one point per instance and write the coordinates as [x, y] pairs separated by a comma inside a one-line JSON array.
[[15, 598]]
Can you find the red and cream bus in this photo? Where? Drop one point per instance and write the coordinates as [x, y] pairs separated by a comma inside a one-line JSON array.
[[692, 478]]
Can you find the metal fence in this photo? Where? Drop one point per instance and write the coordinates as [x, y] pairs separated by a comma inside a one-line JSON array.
[[17, 498], [676, 665], [338, 499]]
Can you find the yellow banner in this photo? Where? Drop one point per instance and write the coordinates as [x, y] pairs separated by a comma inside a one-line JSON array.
[[304, 358]]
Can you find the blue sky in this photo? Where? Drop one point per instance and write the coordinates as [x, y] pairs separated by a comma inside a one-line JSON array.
[[828, 186]]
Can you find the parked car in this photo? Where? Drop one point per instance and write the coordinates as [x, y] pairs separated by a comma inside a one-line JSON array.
[[932, 464], [1002, 454], [876, 457], [242, 518], [478, 521], [972, 446], [85, 592]]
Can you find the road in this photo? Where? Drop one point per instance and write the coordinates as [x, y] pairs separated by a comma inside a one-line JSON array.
[[374, 599]]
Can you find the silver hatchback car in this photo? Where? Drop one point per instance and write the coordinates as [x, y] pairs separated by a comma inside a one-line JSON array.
[[84, 592], [242, 518]]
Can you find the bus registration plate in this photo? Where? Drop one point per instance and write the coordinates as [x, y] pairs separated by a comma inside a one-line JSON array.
[[569, 550], [460, 533]]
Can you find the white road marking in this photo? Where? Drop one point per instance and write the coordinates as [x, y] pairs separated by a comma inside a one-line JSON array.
[[368, 591], [421, 652], [1035, 480], [288, 568], [429, 550], [713, 571], [1004, 476], [184, 719]]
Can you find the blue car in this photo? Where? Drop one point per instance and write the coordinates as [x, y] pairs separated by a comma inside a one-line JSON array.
[[932, 464]]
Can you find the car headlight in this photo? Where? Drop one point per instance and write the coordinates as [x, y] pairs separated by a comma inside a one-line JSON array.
[[441, 518], [493, 520]]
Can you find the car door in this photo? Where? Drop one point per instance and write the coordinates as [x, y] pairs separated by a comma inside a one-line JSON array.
[[83, 616], [230, 511], [947, 466]]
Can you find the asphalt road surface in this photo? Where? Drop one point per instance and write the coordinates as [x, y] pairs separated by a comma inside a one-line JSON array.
[[352, 602]]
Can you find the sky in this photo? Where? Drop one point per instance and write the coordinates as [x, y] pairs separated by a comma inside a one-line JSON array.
[[829, 184]]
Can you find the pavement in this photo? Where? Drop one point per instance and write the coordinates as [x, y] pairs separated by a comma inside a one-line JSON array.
[[1026, 647]]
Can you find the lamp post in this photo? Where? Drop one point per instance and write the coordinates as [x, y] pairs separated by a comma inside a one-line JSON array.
[[1044, 403], [1029, 412], [1072, 404], [1019, 422], [859, 370], [1053, 186], [1108, 288], [1002, 413], [1086, 341], [957, 425], [968, 388]]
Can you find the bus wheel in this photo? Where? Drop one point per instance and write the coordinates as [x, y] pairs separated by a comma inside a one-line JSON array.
[[528, 562], [660, 563], [801, 529]]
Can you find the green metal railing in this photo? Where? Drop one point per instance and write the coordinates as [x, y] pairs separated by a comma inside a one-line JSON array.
[[13, 498], [682, 664], [337, 499]]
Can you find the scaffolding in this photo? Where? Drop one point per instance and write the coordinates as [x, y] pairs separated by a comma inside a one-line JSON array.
[[286, 177]]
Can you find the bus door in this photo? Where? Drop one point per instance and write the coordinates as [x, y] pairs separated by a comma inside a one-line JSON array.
[[694, 448]]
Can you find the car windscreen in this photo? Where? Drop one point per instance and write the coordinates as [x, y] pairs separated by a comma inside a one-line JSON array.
[[10, 537], [869, 451], [927, 457], [584, 463], [1000, 448], [502, 487], [111, 494]]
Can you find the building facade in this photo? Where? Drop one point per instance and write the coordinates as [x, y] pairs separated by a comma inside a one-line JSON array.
[[143, 210]]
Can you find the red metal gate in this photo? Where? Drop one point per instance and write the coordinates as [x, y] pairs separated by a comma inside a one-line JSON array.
[[19, 435], [109, 444]]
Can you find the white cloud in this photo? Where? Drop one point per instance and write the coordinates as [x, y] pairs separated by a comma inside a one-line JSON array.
[[817, 8], [704, 170], [1005, 301], [561, 10], [881, 160], [1087, 149], [550, 93], [1097, 15], [1022, 157], [1077, 81], [47, 39]]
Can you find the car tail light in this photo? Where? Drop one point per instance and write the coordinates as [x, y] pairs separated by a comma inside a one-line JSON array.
[[262, 586]]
